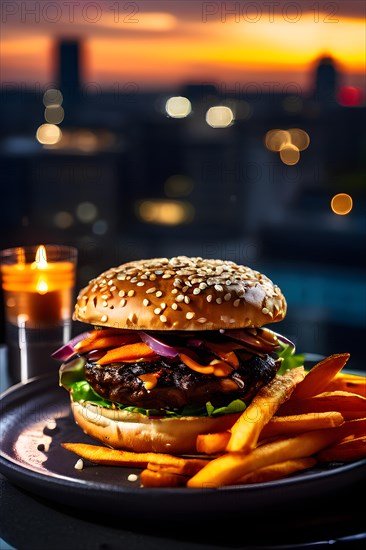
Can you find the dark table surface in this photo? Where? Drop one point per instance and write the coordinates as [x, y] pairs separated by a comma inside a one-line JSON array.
[[32, 522]]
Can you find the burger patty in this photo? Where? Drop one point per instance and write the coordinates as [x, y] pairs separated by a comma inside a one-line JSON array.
[[178, 385]]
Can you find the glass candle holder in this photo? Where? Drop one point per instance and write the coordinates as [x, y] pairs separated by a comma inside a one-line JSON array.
[[38, 285]]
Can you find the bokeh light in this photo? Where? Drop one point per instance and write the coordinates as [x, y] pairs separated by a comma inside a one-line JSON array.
[[48, 134], [290, 154], [341, 204], [54, 114], [276, 139], [178, 186], [300, 138], [165, 212], [219, 116], [52, 96], [63, 219], [178, 107], [86, 212]]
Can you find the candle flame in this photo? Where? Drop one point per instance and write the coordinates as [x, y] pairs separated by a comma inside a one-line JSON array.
[[41, 258], [42, 286]]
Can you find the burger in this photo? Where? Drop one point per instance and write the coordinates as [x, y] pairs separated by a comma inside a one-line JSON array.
[[177, 347]]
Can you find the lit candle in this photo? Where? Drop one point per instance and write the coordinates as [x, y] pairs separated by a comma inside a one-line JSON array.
[[40, 291]]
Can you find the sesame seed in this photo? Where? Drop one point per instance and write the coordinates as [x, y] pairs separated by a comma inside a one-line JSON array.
[[134, 279], [121, 276], [202, 320], [104, 296], [218, 300], [236, 302], [157, 310], [174, 306], [150, 290], [104, 318], [121, 293], [163, 319], [196, 291], [187, 299], [180, 298], [163, 305], [166, 276], [174, 291], [152, 277], [158, 294], [265, 311], [79, 465], [122, 302], [227, 297], [145, 302], [190, 315], [132, 477], [104, 304], [140, 283], [219, 288], [209, 298], [113, 288], [202, 286], [130, 293]]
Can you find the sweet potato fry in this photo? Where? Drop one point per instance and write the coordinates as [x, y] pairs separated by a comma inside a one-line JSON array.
[[320, 375], [212, 444], [150, 478], [344, 451], [294, 424], [130, 352], [114, 457], [348, 382], [350, 405], [278, 470], [245, 432], [228, 468]]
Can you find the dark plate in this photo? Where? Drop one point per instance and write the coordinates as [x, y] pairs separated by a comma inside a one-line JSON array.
[[36, 420]]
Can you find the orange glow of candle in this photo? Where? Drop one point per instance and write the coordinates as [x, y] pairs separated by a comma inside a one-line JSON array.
[[40, 290]]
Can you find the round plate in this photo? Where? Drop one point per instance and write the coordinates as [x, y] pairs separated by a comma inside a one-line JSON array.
[[36, 420]]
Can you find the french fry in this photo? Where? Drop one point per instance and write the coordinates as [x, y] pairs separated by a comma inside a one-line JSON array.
[[294, 424], [245, 432], [228, 468], [348, 382], [278, 470], [213, 443], [115, 457], [320, 375], [344, 451], [150, 478], [350, 405], [187, 466]]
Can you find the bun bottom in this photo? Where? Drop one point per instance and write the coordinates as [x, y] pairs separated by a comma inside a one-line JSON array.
[[136, 432]]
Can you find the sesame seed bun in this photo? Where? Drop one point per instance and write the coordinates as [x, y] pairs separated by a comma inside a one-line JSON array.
[[181, 293], [140, 433]]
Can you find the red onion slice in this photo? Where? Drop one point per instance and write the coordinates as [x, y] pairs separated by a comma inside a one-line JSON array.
[[67, 350], [157, 345]]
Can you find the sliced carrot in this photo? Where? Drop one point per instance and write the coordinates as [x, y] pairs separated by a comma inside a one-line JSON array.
[[104, 342], [225, 351], [194, 365], [130, 352]]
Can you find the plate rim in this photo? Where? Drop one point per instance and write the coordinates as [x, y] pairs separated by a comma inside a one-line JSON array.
[[22, 475]]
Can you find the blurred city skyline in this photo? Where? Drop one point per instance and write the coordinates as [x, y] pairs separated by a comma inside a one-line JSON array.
[[161, 44]]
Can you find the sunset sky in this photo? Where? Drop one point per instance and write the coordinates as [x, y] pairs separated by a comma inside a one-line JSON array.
[[169, 43]]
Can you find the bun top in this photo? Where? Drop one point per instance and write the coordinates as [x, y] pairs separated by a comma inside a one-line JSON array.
[[180, 293]]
